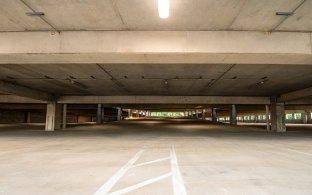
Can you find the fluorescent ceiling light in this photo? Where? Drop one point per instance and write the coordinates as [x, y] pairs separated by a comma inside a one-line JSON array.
[[284, 13], [34, 13], [163, 8]]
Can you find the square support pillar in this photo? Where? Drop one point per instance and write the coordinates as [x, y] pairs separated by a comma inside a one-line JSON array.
[[233, 120], [214, 115], [119, 114], [304, 116], [267, 117], [278, 117], [203, 114], [99, 114], [196, 114], [64, 116], [28, 117], [129, 113], [53, 116]]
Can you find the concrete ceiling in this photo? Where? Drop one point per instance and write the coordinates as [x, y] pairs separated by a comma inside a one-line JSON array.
[[238, 15], [150, 79], [179, 62]]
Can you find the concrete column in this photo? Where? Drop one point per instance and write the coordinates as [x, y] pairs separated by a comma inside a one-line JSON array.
[[28, 117], [304, 116], [214, 115], [119, 114], [102, 114], [64, 116], [278, 117], [233, 120], [53, 116], [267, 118], [203, 114], [99, 114], [196, 114], [129, 113]]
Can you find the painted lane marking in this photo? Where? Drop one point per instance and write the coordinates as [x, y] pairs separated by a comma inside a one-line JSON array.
[[150, 162], [104, 189], [140, 185], [178, 185]]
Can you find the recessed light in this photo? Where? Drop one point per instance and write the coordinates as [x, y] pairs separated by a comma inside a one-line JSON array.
[[34, 13], [284, 13]]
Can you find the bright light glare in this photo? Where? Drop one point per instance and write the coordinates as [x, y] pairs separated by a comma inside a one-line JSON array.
[[163, 8]]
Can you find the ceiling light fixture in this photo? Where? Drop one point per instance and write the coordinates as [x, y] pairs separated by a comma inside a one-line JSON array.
[[34, 13], [284, 13], [163, 8]]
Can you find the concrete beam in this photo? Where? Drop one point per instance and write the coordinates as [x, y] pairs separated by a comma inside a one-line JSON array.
[[187, 47], [19, 90], [202, 100], [295, 95], [18, 99]]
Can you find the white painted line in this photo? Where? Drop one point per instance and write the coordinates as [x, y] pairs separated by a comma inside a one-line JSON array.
[[104, 189], [140, 185], [151, 162], [178, 185]]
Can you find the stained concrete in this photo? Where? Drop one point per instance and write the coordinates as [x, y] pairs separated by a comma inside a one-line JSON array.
[[212, 158]]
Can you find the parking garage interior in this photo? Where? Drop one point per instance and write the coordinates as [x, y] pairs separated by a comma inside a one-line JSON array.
[[155, 97]]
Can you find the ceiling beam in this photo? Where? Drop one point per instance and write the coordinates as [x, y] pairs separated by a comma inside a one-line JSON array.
[[18, 99], [157, 47], [22, 91], [174, 100], [295, 95]]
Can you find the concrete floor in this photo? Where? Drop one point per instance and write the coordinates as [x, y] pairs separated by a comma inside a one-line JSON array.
[[210, 158]]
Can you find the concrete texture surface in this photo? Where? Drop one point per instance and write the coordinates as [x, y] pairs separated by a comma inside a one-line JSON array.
[[143, 15], [148, 79], [211, 158]]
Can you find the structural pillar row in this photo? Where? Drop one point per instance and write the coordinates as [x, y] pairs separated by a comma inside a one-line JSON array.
[[53, 116], [278, 117], [233, 120]]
